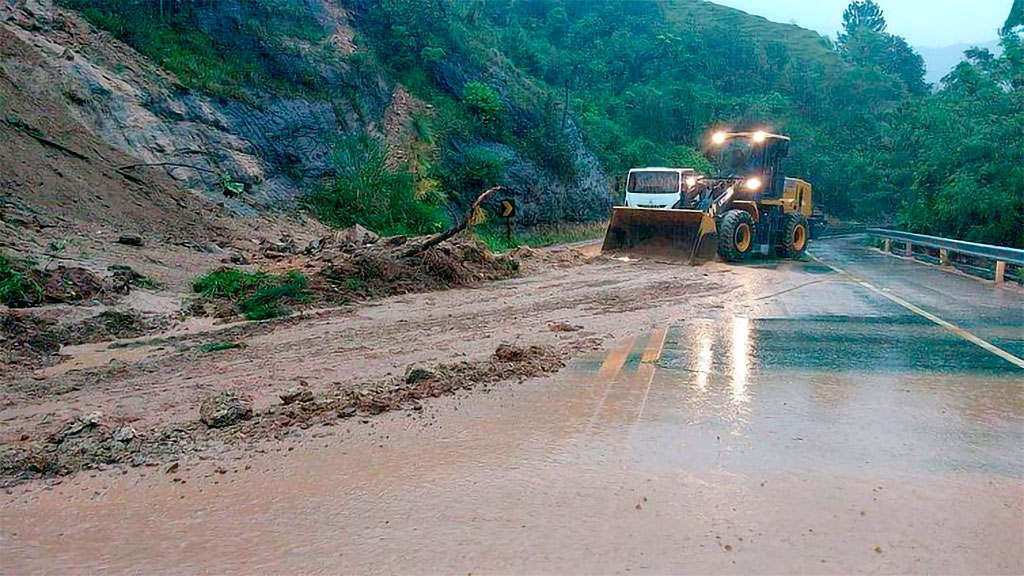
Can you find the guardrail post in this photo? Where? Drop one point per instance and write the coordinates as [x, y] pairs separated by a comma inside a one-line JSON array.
[[943, 257], [909, 250], [1000, 272], [887, 245]]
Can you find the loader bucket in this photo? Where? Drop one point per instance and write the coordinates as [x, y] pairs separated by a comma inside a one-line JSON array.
[[679, 235]]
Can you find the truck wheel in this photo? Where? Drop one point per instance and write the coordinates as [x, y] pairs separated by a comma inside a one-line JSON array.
[[736, 236], [793, 237]]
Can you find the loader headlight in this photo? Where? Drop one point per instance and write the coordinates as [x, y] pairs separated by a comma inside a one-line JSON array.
[[718, 138], [691, 181], [752, 184]]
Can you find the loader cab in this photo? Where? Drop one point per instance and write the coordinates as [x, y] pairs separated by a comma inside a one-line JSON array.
[[754, 159], [658, 187]]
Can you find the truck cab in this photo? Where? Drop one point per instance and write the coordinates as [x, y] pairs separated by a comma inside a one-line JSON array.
[[658, 187]]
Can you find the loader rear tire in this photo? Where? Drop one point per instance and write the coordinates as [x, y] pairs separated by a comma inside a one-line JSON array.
[[793, 237], [736, 236]]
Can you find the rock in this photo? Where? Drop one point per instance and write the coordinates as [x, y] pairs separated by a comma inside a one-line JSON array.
[[414, 374], [315, 245], [172, 468], [564, 327], [77, 425], [238, 259], [347, 411], [130, 240], [397, 240], [297, 394], [210, 248], [357, 235], [124, 434], [225, 408]]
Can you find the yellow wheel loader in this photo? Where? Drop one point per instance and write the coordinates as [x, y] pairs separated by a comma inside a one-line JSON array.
[[749, 208]]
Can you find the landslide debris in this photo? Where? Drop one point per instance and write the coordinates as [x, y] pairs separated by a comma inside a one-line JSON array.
[[353, 265], [225, 408], [94, 440], [31, 340]]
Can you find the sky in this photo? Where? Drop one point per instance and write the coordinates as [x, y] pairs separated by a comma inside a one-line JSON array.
[[921, 22]]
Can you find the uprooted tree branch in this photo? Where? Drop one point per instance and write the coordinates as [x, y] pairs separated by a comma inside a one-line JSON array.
[[454, 230]]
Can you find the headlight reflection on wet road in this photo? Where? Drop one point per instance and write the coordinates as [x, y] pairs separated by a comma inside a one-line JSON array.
[[740, 359]]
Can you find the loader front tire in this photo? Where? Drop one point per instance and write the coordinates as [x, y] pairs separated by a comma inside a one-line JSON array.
[[736, 236], [793, 237]]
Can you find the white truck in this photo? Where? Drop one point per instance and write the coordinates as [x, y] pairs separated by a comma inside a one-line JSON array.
[[658, 187]]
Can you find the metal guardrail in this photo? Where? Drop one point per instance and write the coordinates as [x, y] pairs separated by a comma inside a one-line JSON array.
[[999, 255]]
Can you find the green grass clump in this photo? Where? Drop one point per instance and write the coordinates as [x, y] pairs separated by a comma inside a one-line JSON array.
[[267, 300], [257, 295], [16, 289], [228, 283], [211, 347]]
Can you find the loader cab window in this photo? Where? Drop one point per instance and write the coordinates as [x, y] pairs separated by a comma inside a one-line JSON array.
[[739, 158], [654, 183]]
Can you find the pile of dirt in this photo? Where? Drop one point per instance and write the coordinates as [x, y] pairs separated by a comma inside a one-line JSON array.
[[335, 270], [385, 269], [561, 257], [65, 284], [30, 341], [94, 440]]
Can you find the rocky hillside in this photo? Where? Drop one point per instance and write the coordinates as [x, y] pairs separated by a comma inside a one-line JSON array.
[[249, 103]]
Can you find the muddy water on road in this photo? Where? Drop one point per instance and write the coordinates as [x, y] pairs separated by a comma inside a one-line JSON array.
[[722, 444]]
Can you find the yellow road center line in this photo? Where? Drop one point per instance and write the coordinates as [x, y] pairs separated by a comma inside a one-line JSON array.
[[932, 317], [653, 352], [609, 370]]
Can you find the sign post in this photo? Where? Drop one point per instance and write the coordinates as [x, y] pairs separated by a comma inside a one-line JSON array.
[[508, 212]]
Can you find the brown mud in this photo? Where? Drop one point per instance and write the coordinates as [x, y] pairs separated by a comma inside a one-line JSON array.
[[339, 360]]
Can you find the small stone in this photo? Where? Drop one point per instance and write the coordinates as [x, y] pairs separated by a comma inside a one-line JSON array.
[[124, 434], [357, 235], [172, 468], [130, 240], [414, 374], [296, 395], [347, 412], [225, 408]]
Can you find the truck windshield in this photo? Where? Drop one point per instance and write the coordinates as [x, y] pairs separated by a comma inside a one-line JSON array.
[[653, 183], [739, 158]]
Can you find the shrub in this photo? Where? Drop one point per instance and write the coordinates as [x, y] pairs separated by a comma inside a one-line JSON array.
[[483, 103], [367, 192], [16, 289], [467, 173], [257, 295]]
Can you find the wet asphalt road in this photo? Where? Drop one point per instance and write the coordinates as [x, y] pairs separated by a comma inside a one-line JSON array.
[[812, 425]]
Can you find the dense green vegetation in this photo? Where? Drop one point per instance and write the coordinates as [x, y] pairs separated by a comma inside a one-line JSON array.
[[636, 83], [257, 295], [17, 290], [259, 45], [647, 81], [366, 191]]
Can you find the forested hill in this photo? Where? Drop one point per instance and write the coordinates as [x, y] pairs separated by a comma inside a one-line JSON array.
[[557, 97]]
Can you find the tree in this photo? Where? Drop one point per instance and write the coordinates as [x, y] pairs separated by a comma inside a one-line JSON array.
[[1016, 17], [862, 14]]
